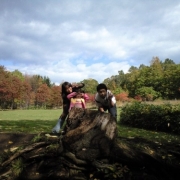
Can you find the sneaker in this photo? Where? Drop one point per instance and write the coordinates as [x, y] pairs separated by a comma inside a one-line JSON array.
[[54, 132]]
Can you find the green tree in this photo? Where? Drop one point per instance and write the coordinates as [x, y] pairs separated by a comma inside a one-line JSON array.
[[90, 85], [131, 80], [18, 74], [168, 61], [147, 93], [157, 73], [47, 81], [171, 82], [121, 80]]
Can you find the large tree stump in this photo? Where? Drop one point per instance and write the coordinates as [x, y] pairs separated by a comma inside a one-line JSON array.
[[89, 134], [89, 149]]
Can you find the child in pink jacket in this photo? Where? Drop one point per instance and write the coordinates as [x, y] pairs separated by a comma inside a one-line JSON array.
[[78, 99]]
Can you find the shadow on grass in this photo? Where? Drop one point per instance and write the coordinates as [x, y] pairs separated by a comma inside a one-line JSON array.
[[27, 126]]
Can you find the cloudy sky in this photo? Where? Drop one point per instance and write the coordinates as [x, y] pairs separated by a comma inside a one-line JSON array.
[[73, 40]]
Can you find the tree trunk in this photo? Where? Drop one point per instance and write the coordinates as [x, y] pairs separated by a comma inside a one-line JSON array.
[[89, 149]]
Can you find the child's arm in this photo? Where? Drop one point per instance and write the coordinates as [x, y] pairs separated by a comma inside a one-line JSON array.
[[71, 95], [98, 103], [112, 99], [78, 86], [85, 96]]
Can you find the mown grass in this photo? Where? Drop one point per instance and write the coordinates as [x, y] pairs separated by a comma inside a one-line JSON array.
[[40, 114], [38, 121], [30, 121]]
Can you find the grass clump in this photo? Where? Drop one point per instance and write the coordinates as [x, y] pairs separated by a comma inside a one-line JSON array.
[[17, 167]]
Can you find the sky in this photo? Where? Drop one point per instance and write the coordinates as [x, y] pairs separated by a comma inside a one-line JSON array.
[[73, 40]]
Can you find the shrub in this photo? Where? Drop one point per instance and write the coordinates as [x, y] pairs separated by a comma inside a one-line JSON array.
[[122, 96], [164, 117]]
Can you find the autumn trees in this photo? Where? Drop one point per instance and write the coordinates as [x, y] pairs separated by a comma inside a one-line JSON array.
[[24, 91], [158, 80]]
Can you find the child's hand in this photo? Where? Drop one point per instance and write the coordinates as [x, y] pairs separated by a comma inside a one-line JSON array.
[[110, 96]]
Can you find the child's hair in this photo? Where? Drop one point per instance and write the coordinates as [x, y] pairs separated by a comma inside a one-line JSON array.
[[79, 90], [101, 86], [64, 86], [79, 93]]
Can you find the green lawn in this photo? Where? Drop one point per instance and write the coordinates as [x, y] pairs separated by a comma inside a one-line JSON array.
[[30, 121], [37, 121], [30, 114]]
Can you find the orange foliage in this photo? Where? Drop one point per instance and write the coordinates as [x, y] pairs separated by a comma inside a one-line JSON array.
[[91, 97], [56, 99], [122, 96], [138, 98]]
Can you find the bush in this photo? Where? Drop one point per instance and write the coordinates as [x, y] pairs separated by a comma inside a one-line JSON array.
[[152, 117]]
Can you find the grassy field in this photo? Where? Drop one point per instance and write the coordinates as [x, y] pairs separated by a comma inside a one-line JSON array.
[[30, 121], [38, 121], [17, 115]]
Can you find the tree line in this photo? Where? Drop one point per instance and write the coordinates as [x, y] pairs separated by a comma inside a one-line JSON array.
[[158, 80], [26, 91]]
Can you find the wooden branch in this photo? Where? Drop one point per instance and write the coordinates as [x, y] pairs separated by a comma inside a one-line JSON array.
[[73, 166], [74, 159], [27, 149], [5, 175]]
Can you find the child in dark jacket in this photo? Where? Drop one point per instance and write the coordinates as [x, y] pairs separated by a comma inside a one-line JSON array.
[[67, 88]]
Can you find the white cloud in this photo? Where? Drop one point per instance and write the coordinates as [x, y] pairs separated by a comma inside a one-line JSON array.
[[75, 40]]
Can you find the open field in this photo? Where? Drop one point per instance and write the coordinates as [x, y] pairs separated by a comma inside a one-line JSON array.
[[40, 121], [48, 115], [30, 121]]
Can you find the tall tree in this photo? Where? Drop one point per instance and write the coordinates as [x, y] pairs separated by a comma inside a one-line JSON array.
[[131, 79], [55, 98], [35, 81], [171, 82], [4, 76], [43, 95], [18, 74], [47, 81], [14, 90], [26, 94], [90, 85]]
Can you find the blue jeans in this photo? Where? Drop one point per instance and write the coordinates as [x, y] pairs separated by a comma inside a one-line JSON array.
[[58, 126]]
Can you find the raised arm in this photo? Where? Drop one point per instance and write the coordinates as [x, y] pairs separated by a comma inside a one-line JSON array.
[[71, 95], [111, 98], [85, 96], [78, 86]]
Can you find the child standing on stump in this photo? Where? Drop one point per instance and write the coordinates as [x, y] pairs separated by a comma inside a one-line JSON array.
[[78, 99], [105, 100]]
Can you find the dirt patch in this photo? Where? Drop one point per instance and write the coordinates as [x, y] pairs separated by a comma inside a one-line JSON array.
[[10, 140]]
